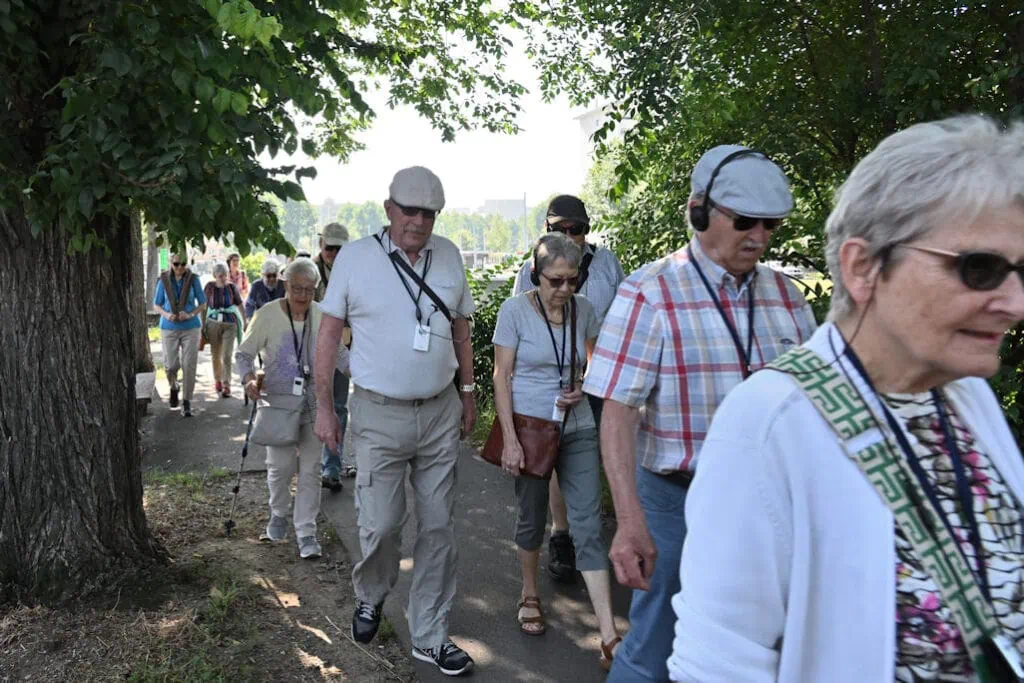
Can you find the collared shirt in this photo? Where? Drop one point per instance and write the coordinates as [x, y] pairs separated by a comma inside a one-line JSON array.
[[604, 278], [665, 348], [368, 294], [260, 294]]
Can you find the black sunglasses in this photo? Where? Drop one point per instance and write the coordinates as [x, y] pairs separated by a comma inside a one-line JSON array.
[[574, 229], [745, 223], [176, 264], [332, 247], [557, 282], [410, 211], [982, 271]]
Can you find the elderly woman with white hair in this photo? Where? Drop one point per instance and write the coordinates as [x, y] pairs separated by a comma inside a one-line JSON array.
[[537, 337], [284, 333], [857, 514], [223, 322], [269, 287]]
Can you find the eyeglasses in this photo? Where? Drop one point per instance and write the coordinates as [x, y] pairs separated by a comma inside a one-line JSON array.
[[745, 223], [982, 271], [271, 276], [332, 247], [557, 282], [176, 264], [410, 211], [306, 291], [566, 227]]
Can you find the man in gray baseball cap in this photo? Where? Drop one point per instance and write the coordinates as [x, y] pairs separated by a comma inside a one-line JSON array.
[[681, 333], [404, 292]]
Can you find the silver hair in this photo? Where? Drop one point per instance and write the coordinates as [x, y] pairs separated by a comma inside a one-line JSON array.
[[269, 266], [552, 246], [220, 268], [926, 175], [302, 267]]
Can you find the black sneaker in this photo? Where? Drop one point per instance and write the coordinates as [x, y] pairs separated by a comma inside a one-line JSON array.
[[451, 659], [173, 402], [365, 621], [331, 482], [186, 408], [562, 558]]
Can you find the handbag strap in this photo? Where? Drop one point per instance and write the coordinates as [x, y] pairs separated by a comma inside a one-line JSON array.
[[846, 412], [572, 343]]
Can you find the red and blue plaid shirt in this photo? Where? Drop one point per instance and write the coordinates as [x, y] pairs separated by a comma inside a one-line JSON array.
[[664, 348]]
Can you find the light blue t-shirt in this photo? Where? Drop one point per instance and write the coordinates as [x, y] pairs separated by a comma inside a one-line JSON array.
[[535, 376], [194, 301]]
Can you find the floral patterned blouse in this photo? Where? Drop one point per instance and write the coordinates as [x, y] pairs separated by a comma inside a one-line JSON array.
[[928, 643]]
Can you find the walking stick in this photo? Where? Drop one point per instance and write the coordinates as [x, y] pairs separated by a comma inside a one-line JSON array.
[[229, 523]]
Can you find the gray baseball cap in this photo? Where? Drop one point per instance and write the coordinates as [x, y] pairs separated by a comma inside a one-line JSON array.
[[750, 185], [419, 187], [335, 234]]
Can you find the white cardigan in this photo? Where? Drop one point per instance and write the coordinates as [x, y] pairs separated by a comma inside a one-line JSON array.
[[788, 572]]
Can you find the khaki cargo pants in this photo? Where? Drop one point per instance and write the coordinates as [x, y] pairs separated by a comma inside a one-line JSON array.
[[390, 438]]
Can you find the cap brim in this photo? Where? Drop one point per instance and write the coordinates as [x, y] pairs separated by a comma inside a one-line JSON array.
[[334, 241], [559, 219]]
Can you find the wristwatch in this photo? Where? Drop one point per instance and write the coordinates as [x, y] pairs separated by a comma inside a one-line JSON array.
[[467, 388]]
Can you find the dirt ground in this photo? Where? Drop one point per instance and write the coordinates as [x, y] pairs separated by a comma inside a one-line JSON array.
[[226, 609]]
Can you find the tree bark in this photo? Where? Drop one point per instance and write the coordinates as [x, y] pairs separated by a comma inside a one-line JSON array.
[[137, 299], [70, 462]]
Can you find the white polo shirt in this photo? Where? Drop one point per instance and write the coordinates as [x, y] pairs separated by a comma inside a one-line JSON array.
[[603, 281], [365, 291]]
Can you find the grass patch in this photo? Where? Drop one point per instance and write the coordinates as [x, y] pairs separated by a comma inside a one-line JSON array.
[[192, 482], [154, 334], [387, 631]]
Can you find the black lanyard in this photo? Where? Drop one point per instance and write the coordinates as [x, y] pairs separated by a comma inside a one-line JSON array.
[[963, 485], [560, 360], [299, 346], [745, 355], [426, 269]]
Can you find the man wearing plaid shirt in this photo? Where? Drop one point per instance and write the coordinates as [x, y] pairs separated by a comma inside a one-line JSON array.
[[681, 333]]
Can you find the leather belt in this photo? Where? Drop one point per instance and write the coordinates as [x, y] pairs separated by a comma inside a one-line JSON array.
[[381, 399], [681, 478]]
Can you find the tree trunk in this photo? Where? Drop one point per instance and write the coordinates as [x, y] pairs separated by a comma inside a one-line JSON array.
[[70, 462], [137, 299]]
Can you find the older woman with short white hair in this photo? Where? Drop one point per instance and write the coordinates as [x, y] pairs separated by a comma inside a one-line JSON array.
[[223, 322], [284, 333], [857, 514]]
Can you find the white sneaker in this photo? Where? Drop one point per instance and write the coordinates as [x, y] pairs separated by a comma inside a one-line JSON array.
[[309, 549]]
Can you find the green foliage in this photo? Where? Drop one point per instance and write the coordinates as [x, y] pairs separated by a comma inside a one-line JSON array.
[[252, 263], [815, 85], [167, 106], [361, 219], [298, 223], [489, 294]]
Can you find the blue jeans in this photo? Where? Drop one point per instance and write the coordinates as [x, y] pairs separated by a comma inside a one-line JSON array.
[[330, 462], [646, 648]]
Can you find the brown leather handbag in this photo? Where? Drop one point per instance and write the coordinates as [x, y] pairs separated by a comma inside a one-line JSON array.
[[539, 438]]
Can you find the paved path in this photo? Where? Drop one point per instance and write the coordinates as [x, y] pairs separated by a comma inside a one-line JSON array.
[[483, 619]]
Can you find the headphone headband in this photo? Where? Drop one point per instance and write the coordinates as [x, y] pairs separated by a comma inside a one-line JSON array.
[[700, 217]]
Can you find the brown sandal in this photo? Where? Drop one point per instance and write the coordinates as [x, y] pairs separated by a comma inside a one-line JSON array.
[[531, 602], [608, 653]]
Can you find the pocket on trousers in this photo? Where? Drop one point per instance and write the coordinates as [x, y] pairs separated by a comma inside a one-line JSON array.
[[660, 496]]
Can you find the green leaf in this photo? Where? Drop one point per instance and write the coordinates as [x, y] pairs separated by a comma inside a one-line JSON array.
[[309, 148], [7, 25], [222, 100], [115, 59], [205, 89], [181, 79], [85, 203], [239, 103], [217, 132]]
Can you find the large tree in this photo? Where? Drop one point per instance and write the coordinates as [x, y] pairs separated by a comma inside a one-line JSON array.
[[110, 106]]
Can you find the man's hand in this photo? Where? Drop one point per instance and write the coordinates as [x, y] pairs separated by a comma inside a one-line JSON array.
[[468, 412], [633, 554], [327, 427]]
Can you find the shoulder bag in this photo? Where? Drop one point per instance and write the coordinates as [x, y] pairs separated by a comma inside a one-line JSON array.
[[278, 420], [539, 438]]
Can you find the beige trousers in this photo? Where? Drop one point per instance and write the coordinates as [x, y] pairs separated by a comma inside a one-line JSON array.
[[181, 352], [390, 439], [282, 463], [222, 345]]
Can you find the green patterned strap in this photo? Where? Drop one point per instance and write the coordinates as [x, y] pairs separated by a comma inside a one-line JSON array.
[[850, 417]]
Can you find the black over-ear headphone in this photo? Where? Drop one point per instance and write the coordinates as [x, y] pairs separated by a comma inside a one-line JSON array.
[[534, 275], [700, 216]]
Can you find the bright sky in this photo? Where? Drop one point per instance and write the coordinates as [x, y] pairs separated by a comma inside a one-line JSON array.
[[549, 155]]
